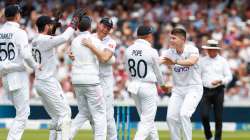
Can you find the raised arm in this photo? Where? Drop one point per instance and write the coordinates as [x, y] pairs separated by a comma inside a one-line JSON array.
[[55, 41]]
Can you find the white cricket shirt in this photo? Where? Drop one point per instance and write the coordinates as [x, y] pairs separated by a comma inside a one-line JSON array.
[[215, 69], [85, 68], [14, 51], [44, 52], [105, 68], [185, 75], [142, 62]]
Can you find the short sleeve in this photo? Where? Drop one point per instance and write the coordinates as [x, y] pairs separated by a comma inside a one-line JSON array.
[[193, 51], [110, 45], [155, 54]]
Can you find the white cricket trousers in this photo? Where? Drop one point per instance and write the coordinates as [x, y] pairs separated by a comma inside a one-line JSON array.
[[20, 100], [182, 105], [91, 102], [54, 102], [146, 104], [107, 84]]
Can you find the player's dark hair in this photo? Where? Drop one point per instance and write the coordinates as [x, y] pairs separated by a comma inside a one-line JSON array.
[[11, 11], [84, 23], [41, 22], [179, 32], [40, 28]]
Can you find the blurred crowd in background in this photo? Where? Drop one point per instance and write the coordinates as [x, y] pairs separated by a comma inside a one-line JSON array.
[[227, 21]]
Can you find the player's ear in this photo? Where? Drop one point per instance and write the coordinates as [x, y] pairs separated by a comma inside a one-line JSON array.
[[151, 38], [46, 28], [18, 17]]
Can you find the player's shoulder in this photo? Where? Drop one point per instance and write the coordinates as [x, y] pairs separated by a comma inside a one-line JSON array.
[[203, 58], [223, 59], [110, 41], [129, 49], [152, 51], [110, 38], [81, 36], [190, 47], [20, 32], [93, 35], [168, 51]]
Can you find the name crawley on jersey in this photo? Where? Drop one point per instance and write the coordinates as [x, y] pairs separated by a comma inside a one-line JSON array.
[[6, 36]]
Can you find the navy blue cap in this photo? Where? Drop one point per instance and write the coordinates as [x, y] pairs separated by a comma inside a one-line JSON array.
[[12, 10], [107, 21], [144, 30], [44, 20]]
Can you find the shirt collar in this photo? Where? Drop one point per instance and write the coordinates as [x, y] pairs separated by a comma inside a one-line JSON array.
[[13, 23], [216, 57], [106, 37], [142, 41], [84, 33]]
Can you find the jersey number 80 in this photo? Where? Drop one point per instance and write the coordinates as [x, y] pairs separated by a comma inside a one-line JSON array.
[[137, 70]]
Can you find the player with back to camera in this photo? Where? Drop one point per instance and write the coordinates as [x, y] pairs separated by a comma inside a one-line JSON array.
[[14, 52], [106, 58], [86, 82], [142, 65]]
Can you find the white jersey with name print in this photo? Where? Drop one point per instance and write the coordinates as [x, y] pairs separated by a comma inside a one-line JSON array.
[[109, 44], [44, 52], [142, 62], [85, 68], [14, 46], [185, 75]]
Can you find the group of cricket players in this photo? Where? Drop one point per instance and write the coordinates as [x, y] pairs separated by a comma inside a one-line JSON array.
[[92, 77]]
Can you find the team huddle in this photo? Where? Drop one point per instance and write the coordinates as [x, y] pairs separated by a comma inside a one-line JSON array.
[[92, 77]]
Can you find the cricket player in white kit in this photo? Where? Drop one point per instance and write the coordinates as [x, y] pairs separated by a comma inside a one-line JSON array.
[[106, 58], [14, 52], [47, 86], [187, 84], [142, 66], [86, 81]]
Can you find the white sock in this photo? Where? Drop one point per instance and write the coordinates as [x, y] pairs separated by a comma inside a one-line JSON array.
[[58, 135], [52, 135]]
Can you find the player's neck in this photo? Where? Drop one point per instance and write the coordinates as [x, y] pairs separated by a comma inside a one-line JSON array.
[[44, 33], [100, 36], [213, 56], [180, 49]]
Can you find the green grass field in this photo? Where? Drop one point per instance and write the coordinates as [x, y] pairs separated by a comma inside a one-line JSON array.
[[87, 135]]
